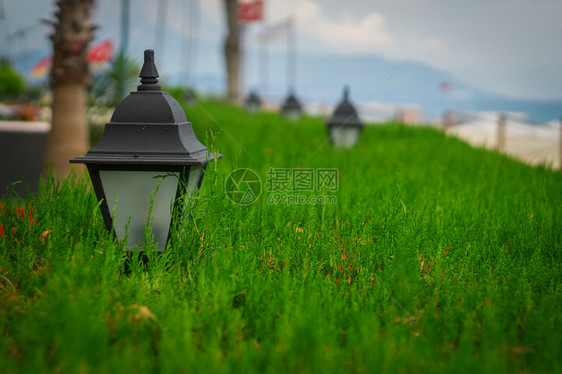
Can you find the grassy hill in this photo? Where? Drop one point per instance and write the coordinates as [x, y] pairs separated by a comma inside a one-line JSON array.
[[437, 257]]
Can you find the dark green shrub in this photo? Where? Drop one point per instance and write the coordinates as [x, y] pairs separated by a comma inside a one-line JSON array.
[[11, 83]]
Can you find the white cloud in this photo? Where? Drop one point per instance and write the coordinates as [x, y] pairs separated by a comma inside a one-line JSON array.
[[322, 30], [367, 34], [346, 35], [432, 43], [510, 47]]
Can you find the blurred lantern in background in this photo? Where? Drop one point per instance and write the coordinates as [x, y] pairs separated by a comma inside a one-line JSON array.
[[147, 163], [344, 126], [291, 108], [252, 103]]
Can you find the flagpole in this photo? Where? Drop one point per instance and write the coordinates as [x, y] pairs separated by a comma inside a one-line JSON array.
[[159, 38], [262, 56], [191, 28], [124, 26], [2, 22], [195, 46], [124, 45], [288, 56], [249, 11], [291, 54], [185, 47]]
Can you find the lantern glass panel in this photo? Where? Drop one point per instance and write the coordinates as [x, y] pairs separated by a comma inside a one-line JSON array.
[[292, 114], [193, 183], [252, 107], [133, 192], [194, 180], [345, 136]]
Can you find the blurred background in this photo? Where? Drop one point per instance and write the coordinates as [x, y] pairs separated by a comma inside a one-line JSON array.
[[469, 56], [457, 65]]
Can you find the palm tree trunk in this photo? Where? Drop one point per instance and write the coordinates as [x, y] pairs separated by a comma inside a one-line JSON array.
[[70, 79], [69, 134], [232, 50]]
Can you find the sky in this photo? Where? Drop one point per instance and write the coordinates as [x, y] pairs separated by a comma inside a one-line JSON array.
[[512, 48]]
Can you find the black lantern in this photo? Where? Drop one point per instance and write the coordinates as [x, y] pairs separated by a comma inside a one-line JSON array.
[[253, 102], [147, 163], [344, 127], [291, 108]]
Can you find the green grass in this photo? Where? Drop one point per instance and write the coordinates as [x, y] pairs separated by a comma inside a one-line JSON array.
[[437, 257]]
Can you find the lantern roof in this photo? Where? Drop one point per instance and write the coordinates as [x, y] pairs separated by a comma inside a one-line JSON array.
[[253, 98], [291, 103], [148, 127], [345, 113]]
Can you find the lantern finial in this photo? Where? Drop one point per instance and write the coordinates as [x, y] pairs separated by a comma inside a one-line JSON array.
[[149, 74]]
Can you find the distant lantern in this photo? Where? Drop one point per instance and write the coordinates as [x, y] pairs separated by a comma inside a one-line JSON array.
[[291, 108], [147, 164], [189, 96], [253, 103], [344, 127]]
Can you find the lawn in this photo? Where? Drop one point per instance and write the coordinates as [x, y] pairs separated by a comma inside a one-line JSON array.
[[437, 257]]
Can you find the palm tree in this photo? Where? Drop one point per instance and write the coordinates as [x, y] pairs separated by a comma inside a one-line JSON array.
[[114, 84], [70, 80]]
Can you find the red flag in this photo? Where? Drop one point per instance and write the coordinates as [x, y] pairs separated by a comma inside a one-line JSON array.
[[101, 53], [445, 86], [41, 68], [98, 55], [250, 10]]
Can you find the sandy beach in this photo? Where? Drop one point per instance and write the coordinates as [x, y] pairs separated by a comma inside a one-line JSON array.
[[534, 144]]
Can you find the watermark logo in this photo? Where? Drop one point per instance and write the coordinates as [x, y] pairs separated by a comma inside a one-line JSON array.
[[302, 180], [300, 199], [286, 186], [242, 186]]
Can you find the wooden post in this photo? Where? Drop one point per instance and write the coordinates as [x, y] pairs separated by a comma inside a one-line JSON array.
[[447, 121], [501, 133]]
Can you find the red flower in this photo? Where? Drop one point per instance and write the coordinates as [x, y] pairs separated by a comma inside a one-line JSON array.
[[20, 211], [2, 212]]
